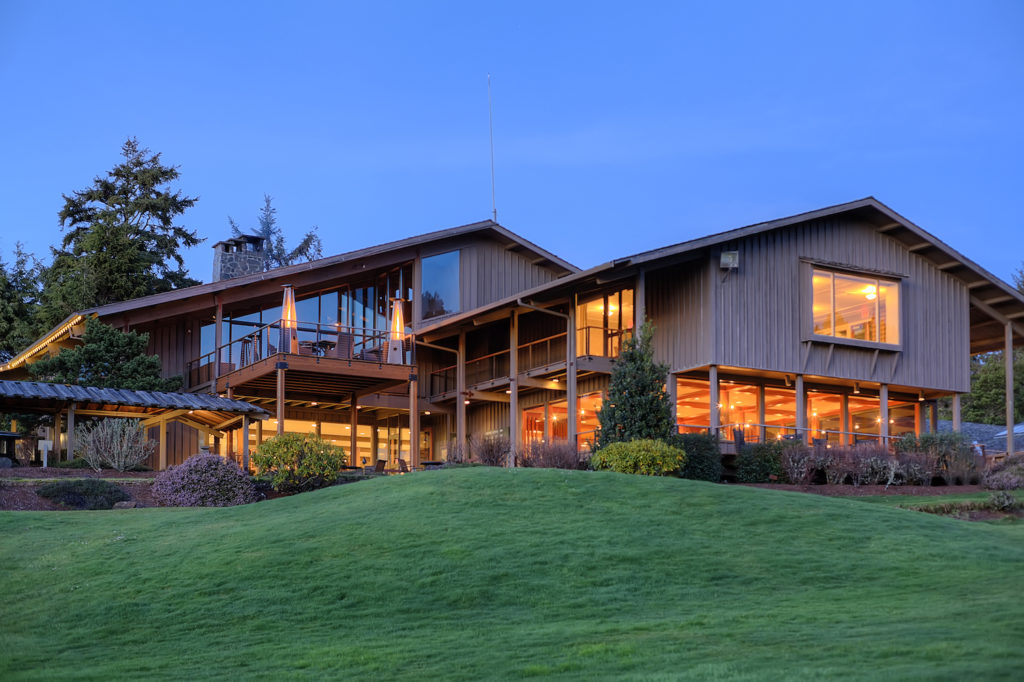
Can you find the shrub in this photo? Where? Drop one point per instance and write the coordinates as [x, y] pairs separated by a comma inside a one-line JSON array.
[[298, 462], [204, 481], [703, 458], [758, 462], [117, 443], [645, 456], [558, 455], [798, 462], [1006, 475], [88, 493], [76, 463], [490, 451], [1003, 501]]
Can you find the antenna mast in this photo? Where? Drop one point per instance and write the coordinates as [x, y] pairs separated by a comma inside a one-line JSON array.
[[490, 120]]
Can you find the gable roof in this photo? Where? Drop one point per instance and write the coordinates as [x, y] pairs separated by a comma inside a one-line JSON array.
[[993, 302]]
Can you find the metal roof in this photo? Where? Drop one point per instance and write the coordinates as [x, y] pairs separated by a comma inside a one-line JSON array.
[[33, 394]]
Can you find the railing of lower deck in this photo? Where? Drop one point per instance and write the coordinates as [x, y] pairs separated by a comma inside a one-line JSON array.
[[597, 341], [756, 433], [312, 338]]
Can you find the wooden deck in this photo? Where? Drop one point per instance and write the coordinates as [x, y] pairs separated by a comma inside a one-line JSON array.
[[314, 378]]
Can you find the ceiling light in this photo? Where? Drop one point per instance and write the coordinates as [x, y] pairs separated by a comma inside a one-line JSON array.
[[314, 404], [466, 401], [920, 397], [427, 413], [856, 388]]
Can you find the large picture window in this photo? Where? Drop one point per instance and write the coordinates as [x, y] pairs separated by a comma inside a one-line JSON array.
[[856, 307], [440, 285]]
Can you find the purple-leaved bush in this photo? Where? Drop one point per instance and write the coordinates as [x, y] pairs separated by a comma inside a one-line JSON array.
[[204, 481]]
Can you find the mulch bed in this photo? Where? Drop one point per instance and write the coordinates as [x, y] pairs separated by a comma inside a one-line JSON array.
[[20, 495]]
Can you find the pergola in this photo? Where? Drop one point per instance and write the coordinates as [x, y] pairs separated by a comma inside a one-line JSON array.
[[208, 414]]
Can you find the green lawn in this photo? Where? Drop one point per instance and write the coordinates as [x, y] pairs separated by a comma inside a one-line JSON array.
[[488, 573]]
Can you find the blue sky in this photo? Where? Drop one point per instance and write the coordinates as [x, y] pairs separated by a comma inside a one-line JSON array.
[[619, 127]]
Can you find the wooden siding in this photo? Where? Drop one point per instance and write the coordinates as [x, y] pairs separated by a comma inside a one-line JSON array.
[[491, 272], [676, 304], [759, 309]]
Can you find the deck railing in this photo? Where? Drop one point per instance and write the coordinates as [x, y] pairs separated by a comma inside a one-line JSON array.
[[596, 341], [311, 338], [752, 433]]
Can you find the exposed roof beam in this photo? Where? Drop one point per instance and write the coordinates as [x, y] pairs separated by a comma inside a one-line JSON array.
[[998, 299], [920, 246], [949, 265], [978, 283], [996, 315], [889, 227]]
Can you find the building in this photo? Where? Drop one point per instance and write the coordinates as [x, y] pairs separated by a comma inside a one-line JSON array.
[[840, 325]]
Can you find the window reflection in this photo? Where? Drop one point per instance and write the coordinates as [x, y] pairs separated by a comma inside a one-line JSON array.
[[854, 307], [440, 286]]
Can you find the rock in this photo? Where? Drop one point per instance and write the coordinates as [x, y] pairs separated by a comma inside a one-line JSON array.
[[5, 463], [127, 504]]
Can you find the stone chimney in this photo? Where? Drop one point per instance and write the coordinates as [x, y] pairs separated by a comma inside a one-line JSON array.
[[237, 256]]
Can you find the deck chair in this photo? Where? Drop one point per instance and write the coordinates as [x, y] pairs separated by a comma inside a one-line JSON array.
[[378, 468], [343, 348], [403, 468]]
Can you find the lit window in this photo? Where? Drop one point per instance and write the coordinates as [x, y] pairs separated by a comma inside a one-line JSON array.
[[855, 307]]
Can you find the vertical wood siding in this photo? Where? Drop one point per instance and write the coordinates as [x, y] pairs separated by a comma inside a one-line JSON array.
[[759, 309]]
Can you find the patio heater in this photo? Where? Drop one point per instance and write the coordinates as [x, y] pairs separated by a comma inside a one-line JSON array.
[[396, 337], [289, 323]]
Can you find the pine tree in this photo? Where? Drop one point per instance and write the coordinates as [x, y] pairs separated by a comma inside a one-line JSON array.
[[20, 292], [107, 358], [275, 254], [637, 405], [120, 239]]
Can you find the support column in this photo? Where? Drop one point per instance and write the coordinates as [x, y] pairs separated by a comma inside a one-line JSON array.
[[514, 436], [640, 300], [460, 399], [414, 421], [883, 414], [280, 397], [374, 443], [933, 415], [245, 443], [957, 425], [762, 429], [571, 393], [672, 390], [71, 431], [714, 399], [259, 433], [844, 437], [353, 436], [1008, 360], [801, 408], [163, 446], [318, 428], [218, 339], [57, 427], [918, 422]]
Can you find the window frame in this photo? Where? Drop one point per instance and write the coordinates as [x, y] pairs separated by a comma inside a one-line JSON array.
[[807, 304]]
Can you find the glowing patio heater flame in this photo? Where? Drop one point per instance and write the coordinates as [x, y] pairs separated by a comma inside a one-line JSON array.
[[289, 322], [396, 351]]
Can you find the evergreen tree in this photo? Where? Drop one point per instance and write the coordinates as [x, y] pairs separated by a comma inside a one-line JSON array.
[[637, 405], [986, 403], [107, 358], [20, 292], [275, 254], [120, 239]]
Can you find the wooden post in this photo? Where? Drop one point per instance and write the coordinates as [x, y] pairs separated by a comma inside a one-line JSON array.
[[801, 408], [640, 300], [713, 399], [374, 443], [1008, 360], [218, 339], [353, 442], [245, 443], [672, 390], [513, 396], [414, 422], [917, 419], [57, 428], [844, 437], [280, 397], [163, 446], [460, 399], [71, 431], [318, 427], [571, 395], [762, 430], [933, 415], [259, 433], [883, 414], [957, 425]]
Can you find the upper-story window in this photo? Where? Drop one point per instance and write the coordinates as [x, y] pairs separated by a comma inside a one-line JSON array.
[[440, 285], [856, 307], [603, 323]]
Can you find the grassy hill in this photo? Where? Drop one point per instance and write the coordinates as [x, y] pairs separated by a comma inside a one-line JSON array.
[[488, 573]]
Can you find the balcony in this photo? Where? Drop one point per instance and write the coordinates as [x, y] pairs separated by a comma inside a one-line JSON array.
[[596, 347], [322, 360]]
